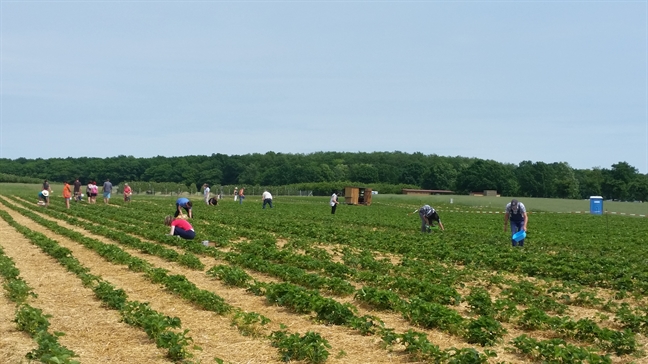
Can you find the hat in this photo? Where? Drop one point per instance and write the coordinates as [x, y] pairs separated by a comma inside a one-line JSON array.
[[45, 193], [514, 202]]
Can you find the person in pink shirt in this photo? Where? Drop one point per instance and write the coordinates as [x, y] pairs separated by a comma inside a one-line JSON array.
[[180, 227]]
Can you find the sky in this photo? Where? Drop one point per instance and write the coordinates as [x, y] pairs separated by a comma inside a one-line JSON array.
[[549, 81]]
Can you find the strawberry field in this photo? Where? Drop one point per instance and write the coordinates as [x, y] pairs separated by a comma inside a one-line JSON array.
[[103, 283]]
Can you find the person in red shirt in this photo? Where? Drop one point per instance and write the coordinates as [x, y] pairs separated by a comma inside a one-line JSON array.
[[67, 194], [180, 227], [128, 192]]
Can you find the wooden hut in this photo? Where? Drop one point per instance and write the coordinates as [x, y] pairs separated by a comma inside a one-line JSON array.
[[357, 195]]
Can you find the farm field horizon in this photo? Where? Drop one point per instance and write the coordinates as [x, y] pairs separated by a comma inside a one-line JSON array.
[[486, 203], [361, 286]]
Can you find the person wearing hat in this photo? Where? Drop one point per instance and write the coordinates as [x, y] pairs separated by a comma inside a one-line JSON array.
[[44, 196], [180, 227], [184, 203], [428, 216], [235, 193], [517, 214]]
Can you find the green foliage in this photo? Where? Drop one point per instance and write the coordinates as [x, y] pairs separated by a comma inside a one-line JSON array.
[[50, 351], [556, 351], [485, 331], [176, 343], [311, 347], [433, 315], [17, 290], [231, 276], [140, 314], [249, 323], [31, 320], [111, 297], [380, 299], [479, 302]]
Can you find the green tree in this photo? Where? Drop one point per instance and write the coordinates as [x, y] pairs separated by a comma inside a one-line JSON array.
[[251, 175], [363, 172], [565, 182], [440, 176]]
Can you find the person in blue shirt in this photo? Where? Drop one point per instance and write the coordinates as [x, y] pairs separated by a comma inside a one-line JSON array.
[[184, 203]]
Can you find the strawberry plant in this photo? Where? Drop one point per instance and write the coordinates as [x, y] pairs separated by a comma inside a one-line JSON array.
[[311, 347], [485, 331], [31, 320], [231, 276], [380, 299], [49, 350], [111, 297], [176, 343], [249, 323], [479, 302], [433, 315]]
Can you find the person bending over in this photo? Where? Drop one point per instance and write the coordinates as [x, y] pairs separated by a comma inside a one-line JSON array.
[[180, 227], [184, 203], [428, 216]]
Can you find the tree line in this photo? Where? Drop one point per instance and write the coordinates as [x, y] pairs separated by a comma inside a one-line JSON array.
[[460, 174]]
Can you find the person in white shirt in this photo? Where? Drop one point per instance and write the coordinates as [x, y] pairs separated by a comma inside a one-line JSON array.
[[333, 202], [206, 192], [267, 198], [516, 212]]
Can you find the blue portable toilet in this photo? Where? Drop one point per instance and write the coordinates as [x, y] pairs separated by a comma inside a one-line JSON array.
[[596, 205]]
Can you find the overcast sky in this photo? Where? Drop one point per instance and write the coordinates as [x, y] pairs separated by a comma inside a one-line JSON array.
[[547, 81]]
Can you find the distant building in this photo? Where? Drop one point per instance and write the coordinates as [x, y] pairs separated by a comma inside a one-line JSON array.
[[409, 191], [485, 193], [357, 195]]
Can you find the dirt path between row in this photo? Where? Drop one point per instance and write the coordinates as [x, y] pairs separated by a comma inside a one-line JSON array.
[[91, 331], [14, 344]]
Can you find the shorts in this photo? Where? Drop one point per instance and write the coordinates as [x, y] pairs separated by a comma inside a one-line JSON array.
[[106, 194], [126, 198]]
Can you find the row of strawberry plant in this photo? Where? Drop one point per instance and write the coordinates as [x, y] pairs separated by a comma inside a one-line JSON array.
[[31, 320], [248, 323], [189, 260], [475, 327], [483, 330], [156, 325], [286, 272], [329, 311], [582, 265], [177, 284], [518, 294]]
